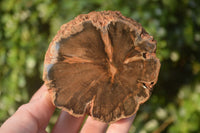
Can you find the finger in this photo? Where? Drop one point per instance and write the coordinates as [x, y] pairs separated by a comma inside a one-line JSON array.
[[93, 126], [121, 126], [67, 123], [39, 93], [31, 117]]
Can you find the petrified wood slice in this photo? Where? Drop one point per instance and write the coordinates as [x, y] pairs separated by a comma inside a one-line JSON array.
[[102, 64]]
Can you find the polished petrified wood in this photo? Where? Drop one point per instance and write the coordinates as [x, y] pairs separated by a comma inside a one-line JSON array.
[[101, 64]]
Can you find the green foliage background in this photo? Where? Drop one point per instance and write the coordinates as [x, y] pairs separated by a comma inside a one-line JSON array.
[[28, 26]]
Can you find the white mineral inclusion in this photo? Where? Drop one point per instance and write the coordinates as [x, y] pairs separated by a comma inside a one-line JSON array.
[[48, 68], [57, 46], [54, 52]]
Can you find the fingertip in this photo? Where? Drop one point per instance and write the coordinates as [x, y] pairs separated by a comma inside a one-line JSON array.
[[121, 126], [39, 93], [67, 123], [94, 126]]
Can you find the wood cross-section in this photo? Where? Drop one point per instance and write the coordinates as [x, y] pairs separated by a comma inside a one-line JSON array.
[[101, 64]]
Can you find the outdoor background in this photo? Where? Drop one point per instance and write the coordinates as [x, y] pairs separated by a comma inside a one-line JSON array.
[[28, 26]]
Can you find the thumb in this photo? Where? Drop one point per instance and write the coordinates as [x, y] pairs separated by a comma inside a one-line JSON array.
[[31, 117]]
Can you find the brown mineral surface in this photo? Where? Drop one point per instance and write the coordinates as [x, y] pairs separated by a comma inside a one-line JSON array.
[[101, 64]]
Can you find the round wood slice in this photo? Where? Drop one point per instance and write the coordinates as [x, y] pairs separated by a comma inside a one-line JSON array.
[[101, 64]]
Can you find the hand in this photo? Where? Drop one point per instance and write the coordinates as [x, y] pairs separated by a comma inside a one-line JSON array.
[[34, 116]]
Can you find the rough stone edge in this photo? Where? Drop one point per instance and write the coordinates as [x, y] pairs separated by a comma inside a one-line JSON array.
[[100, 20]]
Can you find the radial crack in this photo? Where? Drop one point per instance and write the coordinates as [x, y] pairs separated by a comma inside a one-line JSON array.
[[72, 60], [107, 43], [113, 71], [134, 58], [109, 51]]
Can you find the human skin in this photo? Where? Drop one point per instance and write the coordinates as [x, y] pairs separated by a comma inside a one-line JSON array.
[[34, 117]]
